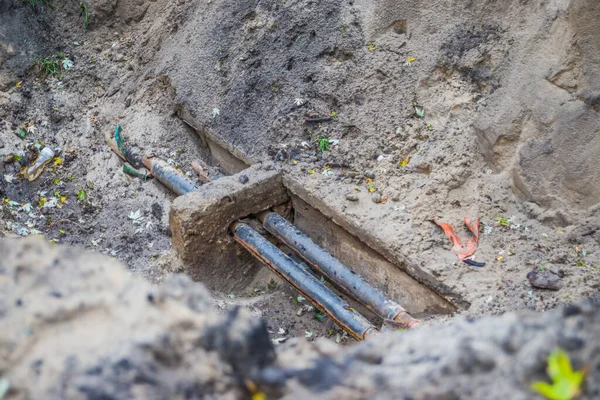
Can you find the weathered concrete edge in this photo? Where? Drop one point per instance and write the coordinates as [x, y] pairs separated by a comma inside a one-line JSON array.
[[222, 202], [367, 237], [205, 134]]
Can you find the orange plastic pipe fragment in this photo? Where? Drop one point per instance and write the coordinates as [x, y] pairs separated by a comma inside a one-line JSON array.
[[469, 248]]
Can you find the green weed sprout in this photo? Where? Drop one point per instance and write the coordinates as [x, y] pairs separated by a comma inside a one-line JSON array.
[[565, 382]]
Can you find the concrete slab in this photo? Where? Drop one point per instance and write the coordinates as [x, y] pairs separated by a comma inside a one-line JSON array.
[[371, 233], [418, 299]]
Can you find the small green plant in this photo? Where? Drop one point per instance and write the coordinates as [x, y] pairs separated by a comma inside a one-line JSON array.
[[54, 66], [51, 67], [322, 144], [565, 382], [333, 114], [503, 221], [81, 195], [84, 12], [319, 316], [541, 267]]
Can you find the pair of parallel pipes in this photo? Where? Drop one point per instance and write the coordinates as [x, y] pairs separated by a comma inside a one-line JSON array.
[[295, 274], [327, 265]]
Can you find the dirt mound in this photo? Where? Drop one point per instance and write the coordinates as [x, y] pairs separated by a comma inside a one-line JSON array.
[[433, 110], [518, 79], [490, 358], [449, 108], [77, 325]]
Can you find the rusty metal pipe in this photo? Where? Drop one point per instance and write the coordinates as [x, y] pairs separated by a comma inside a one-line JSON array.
[[169, 176], [329, 266], [314, 290]]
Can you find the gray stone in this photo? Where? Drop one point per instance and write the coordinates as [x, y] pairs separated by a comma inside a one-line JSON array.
[[352, 197], [545, 279]]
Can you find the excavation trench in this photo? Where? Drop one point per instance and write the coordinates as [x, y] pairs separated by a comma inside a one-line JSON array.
[[201, 223]]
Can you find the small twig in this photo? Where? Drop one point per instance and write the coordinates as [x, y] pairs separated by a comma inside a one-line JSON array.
[[320, 119], [66, 220]]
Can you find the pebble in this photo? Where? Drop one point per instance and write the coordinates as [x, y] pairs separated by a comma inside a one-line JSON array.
[[545, 280], [244, 179], [376, 198], [351, 197]]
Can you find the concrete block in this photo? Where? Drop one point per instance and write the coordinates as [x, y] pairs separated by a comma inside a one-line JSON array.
[[200, 221]]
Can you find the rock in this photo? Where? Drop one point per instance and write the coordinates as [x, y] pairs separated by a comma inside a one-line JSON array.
[[395, 196], [351, 197], [545, 280], [376, 198], [244, 179]]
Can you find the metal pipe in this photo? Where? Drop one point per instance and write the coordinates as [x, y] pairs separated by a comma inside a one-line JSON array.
[[310, 287], [169, 176], [329, 266]]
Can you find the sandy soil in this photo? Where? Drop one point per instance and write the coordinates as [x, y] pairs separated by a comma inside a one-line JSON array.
[[508, 130], [77, 325]]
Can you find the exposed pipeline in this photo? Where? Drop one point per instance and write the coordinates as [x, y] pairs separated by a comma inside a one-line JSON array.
[[329, 266], [169, 176], [312, 288]]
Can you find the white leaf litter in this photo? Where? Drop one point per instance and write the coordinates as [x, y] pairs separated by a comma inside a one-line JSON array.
[[281, 331], [9, 178], [67, 63], [215, 112], [308, 334], [339, 338], [300, 299], [27, 207], [278, 340], [298, 101], [111, 252], [51, 203], [136, 216], [21, 231]]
